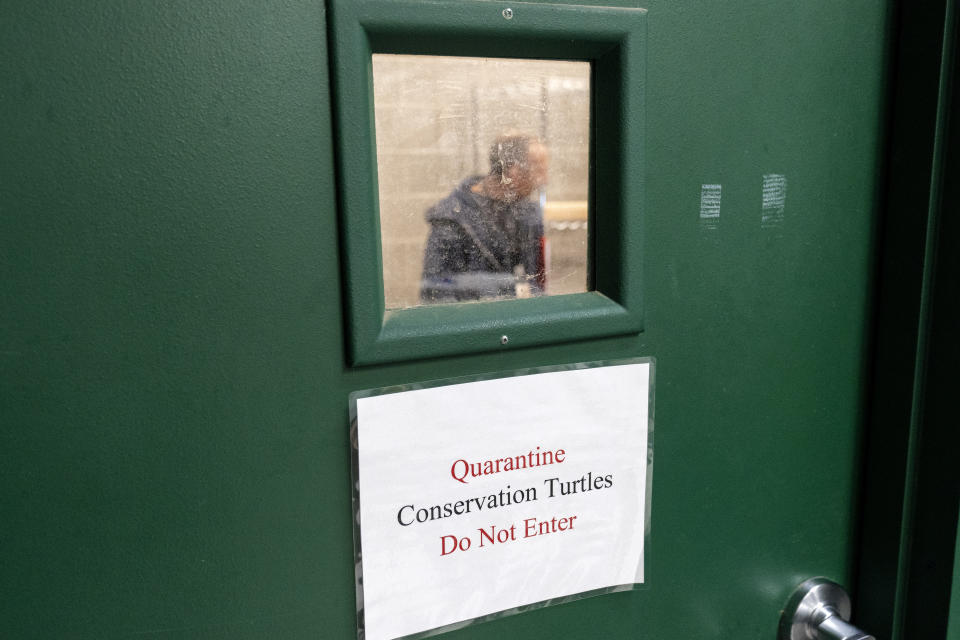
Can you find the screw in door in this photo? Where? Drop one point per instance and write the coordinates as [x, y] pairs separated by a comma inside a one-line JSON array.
[[508, 13]]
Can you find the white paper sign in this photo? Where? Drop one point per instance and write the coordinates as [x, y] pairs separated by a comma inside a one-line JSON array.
[[479, 497]]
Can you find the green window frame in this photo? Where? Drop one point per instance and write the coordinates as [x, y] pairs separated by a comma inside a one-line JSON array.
[[613, 41]]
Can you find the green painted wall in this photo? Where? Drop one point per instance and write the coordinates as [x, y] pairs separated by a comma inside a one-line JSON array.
[[174, 456]]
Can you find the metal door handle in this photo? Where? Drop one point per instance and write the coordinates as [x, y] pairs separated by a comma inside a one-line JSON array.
[[819, 610]]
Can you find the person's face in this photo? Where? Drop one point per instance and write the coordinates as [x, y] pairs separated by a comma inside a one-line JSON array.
[[532, 175]]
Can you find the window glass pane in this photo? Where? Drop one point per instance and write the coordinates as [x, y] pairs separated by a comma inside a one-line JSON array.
[[482, 170]]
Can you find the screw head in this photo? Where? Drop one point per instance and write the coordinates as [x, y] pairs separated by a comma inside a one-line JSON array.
[[508, 13], [504, 339]]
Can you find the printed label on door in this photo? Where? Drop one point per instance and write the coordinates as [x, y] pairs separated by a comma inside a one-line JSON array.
[[475, 498]]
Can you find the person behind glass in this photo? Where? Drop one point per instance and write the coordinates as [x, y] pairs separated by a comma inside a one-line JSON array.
[[486, 237]]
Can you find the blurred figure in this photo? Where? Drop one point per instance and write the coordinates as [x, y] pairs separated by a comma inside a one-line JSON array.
[[486, 237]]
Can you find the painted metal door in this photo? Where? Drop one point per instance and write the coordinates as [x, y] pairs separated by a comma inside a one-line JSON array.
[[176, 457]]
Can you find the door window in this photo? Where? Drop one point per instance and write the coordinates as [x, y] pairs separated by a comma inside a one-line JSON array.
[[482, 167]]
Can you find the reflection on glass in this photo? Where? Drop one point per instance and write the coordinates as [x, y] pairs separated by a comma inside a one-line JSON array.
[[482, 170]]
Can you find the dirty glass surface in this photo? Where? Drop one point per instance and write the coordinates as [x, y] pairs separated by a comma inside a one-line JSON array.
[[482, 167]]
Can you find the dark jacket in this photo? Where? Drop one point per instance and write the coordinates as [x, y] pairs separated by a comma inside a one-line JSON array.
[[476, 244]]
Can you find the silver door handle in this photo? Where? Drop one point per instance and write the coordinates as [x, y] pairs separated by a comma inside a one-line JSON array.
[[819, 610]]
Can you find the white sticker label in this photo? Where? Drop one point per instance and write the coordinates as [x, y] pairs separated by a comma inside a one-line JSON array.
[[483, 496]]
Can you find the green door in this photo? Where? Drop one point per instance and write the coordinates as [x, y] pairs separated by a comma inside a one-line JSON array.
[[176, 361]]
